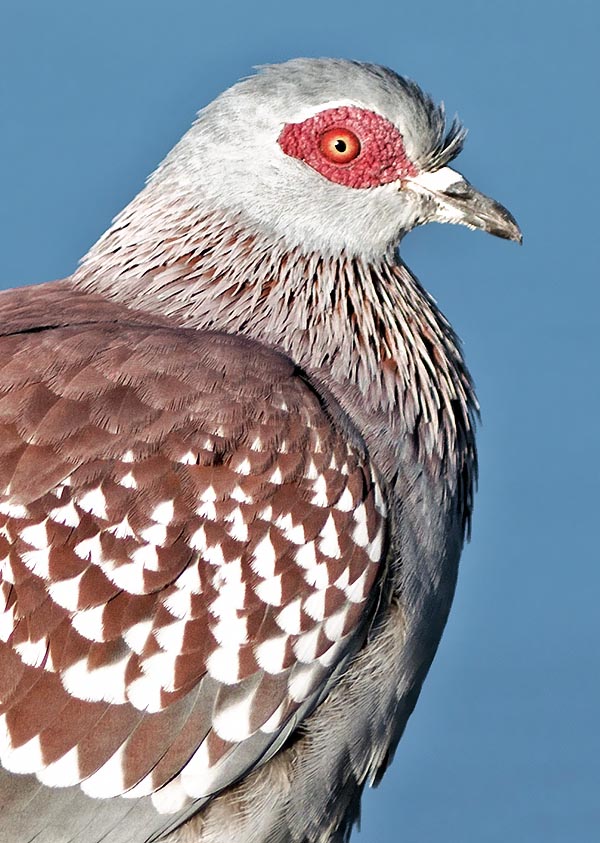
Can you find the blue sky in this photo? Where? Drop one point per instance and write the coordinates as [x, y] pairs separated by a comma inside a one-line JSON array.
[[504, 744]]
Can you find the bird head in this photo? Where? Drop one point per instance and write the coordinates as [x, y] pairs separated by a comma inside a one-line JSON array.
[[329, 155]]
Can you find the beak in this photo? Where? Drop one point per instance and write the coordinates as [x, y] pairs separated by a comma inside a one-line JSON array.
[[455, 200]]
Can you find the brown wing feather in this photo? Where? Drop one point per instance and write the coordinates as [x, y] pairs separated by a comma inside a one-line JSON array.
[[188, 547]]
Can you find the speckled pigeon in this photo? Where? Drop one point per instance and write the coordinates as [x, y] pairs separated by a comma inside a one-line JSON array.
[[236, 471]]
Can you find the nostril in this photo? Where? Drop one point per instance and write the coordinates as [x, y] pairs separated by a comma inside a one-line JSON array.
[[459, 190]]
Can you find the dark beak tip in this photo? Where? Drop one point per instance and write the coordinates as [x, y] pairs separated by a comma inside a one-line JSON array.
[[504, 225], [514, 233]]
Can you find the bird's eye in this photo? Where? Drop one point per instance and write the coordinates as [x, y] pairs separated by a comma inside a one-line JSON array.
[[340, 146]]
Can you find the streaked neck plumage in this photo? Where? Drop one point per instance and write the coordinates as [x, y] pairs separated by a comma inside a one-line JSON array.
[[362, 327]]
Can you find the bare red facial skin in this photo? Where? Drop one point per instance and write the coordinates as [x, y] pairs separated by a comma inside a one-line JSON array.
[[379, 159]]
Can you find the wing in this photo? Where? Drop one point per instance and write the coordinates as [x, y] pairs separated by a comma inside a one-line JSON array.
[[188, 548]]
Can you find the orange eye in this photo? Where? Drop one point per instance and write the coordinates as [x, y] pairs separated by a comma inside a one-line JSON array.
[[340, 146]]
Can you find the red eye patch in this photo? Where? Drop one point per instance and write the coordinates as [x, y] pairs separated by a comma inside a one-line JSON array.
[[349, 146]]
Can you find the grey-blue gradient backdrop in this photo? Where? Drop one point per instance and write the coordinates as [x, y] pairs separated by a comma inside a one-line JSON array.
[[504, 743]]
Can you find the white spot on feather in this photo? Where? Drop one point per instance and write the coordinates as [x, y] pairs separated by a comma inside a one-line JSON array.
[[105, 683], [190, 579], [270, 655], [63, 772], [232, 723], [108, 780], [128, 577], [207, 510], [13, 510], [89, 623], [7, 623], [66, 592], [238, 528], [90, 549], [311, 472], [94, 502], [343, 579], [274, 721], [36, 535], [164, 512], [360, 535], [27, 758], [306, 556], [142, 788], [289, 619], [128, 481], [38, 562], [231, 631], [238, 494], [137, 635], [223, 664], [146, 557], [198, 540], [293, 533], [208, 495], [155, 534], [334, 625], [264, 558], [380, 504], [329, 539], [198, 776], [179, 603], [171, 798], [376, 546], [269, 590], [229, 583], [8, 575], [276, 476], [243, 467], [214, 555], [356, 592], [122, 530], [305, 647], [318, 576], [66, 514], [144, 693], [302, 682], [33, 652], [314, 605], [332, 654], [160, 667], [345, 501], [320, 492]]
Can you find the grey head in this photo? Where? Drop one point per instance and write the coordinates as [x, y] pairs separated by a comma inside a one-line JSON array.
[[269, 152]]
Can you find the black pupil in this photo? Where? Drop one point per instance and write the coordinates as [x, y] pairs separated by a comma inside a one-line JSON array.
[[340, 145]]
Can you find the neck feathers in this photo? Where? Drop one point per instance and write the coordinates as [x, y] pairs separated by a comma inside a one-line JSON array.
[[368, 325]]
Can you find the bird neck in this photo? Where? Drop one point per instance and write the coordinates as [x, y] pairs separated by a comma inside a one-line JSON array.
[[367, 330]]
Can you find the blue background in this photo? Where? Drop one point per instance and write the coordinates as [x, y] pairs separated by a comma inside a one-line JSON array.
[[504, 743]]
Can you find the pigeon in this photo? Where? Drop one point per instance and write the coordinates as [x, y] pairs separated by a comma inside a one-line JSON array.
[[237, 462]]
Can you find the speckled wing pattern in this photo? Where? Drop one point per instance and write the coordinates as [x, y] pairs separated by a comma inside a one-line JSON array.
[[189, 548]]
